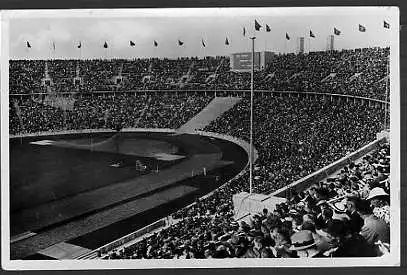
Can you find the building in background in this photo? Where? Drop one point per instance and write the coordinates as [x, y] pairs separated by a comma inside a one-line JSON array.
[[300, 45], [330, 43]]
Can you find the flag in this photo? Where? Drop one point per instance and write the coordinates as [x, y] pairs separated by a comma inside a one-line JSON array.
[[155, 44], [226, 41], [132, 44], [244, 31], [362, 28], [336, 31], [311, 34], [53, 45], [79, 45], [257, 26], [203, 43], [386, 25], [28, 45], [287, 36], [180, 43], [105, 45], [268, 28]]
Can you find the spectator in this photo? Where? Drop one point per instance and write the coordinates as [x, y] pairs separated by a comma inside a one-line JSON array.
[[346, 243], [258, 250], [374, 229], [356, 222], [379, 200], [304, 244]]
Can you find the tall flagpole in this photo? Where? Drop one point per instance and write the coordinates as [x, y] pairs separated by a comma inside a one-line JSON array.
[[251, 119]]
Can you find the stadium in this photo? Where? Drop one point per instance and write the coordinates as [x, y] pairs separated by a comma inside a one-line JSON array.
[[151, 158]]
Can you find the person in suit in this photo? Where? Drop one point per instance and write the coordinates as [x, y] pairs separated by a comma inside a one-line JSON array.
[[373, 229], [356, 222]]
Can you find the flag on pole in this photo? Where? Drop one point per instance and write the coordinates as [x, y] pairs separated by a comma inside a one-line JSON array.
[[53, 45], [386, 25], [244, 31], [132, 44], [362, 28], [311, 34], [180, 43], [105, 45], [79, 45], [336, 31], [268, 28], [287, 36], [155, 44], [257, 26], [226, 41], [203, 43], [28, 45]]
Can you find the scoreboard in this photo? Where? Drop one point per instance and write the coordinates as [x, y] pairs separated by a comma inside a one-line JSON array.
[[243, 61]]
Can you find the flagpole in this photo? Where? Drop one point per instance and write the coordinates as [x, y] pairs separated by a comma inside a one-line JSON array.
[[80, 51], [251, 120]]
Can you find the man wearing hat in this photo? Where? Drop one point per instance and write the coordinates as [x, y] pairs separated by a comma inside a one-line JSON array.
[[379, 200], [304, 244]]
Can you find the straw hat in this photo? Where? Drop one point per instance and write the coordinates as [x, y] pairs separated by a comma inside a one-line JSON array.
[[302, 240], [376, 192]]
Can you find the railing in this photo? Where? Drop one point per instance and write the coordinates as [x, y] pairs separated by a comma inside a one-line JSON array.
[[125, 239]]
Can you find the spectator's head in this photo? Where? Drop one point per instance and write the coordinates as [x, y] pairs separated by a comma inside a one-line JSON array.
[[351, 202], [378, 197], [337, 229], [265, 212], [281, 236], [308, 218], [327, 214], [258, 242], [308, 226], [363, 208]]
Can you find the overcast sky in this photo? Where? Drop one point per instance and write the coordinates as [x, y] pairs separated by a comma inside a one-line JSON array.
[[166, 26]]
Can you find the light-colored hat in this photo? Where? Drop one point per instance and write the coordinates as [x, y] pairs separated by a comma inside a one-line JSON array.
[[339, 206], [376, 192], [302, 240]]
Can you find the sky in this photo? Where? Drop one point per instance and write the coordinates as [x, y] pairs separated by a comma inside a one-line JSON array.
[[66, 28]]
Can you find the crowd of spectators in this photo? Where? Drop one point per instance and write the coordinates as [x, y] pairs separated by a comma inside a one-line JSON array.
[[359, 72], [105, 111], [346, 215], [297, 136]]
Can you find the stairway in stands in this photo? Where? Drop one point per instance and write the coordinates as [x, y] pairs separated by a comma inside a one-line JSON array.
[[214, 109]]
